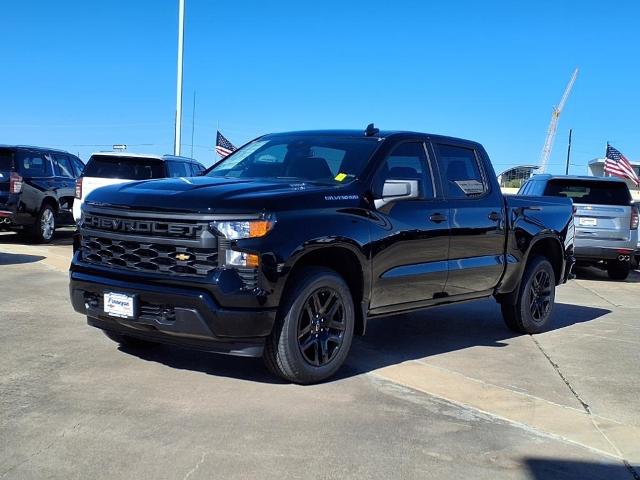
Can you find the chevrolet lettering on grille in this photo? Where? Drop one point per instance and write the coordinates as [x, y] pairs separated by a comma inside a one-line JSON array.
[[140, 226]]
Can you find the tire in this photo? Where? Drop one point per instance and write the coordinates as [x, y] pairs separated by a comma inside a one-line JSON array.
[[43, 230], [536, 296], [314, 327], [126, 341], [618, 270]]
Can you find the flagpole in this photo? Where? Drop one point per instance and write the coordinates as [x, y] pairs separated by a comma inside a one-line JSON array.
[[193, 121], [178, 123], [566, 170]]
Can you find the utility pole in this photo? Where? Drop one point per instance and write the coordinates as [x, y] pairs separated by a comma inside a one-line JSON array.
[[566, 171], [178, 123], [193, 121]]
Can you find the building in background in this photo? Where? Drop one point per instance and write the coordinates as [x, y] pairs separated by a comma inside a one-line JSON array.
[[516, 176]]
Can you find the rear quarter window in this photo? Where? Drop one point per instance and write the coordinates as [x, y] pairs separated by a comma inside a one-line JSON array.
[[590, 191], [33, 164], [126, 168]]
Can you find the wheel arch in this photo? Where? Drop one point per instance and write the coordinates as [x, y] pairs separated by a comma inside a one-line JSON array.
[[343, 260], [546, 245], [52, 202]]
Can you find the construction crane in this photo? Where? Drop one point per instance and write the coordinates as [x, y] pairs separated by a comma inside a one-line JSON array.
[[553, 124]]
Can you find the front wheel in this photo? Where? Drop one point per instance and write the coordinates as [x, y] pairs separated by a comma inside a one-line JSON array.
[[314, 329], [532, 311], [618, 270]]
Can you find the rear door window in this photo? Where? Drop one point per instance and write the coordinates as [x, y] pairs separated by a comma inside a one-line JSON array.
[[126, 168], [592, 192], [33, 164], [178, 169], [63, 165], [462, 176], [196, 169]]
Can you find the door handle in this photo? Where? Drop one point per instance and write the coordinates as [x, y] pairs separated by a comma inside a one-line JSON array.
[[494, 216], [437, 218]]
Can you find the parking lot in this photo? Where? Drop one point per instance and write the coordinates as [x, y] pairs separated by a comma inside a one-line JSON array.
[[446, 393]]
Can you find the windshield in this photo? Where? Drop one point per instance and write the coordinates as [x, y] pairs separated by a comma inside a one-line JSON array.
[[323, 159], [126, 168], [590, 191]]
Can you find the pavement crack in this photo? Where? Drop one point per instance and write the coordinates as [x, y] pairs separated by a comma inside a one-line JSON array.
[[555, 366], [196, 466], [586, 408]]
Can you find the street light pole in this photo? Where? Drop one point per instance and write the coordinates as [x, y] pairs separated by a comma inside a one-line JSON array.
[[178, 122]]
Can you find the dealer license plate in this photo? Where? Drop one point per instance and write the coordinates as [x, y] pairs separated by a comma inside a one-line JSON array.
[[588, 222], [119, 305]]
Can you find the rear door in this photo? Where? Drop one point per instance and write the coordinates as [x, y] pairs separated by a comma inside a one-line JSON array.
[[477, 245], [603, 208], [411, 238]]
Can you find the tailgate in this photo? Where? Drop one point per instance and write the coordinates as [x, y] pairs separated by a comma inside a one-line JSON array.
[[89, 184], [603, 222], [6, 166]]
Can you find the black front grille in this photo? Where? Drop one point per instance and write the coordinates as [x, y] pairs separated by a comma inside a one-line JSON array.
[[142, 256]]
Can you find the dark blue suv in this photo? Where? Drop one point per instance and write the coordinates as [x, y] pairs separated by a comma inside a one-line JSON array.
[[37, 189]]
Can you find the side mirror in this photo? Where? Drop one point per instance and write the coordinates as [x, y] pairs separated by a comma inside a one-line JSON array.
[[394, 190]]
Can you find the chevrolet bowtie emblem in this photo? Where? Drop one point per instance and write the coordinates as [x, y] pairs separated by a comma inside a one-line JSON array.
[[183, 257]]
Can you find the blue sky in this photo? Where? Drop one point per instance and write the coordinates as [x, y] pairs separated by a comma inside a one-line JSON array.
[[85, 75]]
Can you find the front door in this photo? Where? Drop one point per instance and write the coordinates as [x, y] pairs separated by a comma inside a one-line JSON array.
[[410, 237], [476, 250]]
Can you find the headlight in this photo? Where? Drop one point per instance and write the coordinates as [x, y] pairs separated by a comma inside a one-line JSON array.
[[237, 229]]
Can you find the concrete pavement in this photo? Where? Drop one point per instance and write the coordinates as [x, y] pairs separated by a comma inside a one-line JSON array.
[[444, 393]]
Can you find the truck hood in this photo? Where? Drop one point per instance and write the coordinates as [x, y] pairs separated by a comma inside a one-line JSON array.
[[220, 195]]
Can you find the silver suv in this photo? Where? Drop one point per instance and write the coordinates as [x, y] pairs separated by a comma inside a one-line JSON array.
[[606, 221]]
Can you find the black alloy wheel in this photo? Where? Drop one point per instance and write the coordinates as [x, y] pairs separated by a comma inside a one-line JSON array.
[[540, 301], [314, 327], [532, 308], [321, 327]]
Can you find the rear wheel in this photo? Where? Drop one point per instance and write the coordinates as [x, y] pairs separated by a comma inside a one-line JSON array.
[[314, 329], [43, 230], [618, 270], [532, 311]]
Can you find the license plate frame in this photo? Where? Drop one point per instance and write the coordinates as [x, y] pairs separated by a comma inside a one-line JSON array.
[[120, 305], [588, 222]]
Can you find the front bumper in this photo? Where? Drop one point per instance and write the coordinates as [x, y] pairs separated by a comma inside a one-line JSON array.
[[179, 316]]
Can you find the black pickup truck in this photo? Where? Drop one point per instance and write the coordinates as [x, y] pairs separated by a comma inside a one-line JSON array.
[[287, 247]]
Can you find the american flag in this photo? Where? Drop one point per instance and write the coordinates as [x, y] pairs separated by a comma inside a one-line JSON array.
[[616, 164], [223, 146]]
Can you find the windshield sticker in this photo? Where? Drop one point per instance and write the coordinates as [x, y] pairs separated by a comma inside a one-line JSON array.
[[341, 197], [341, 176], [470, 187], [243, 153]]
